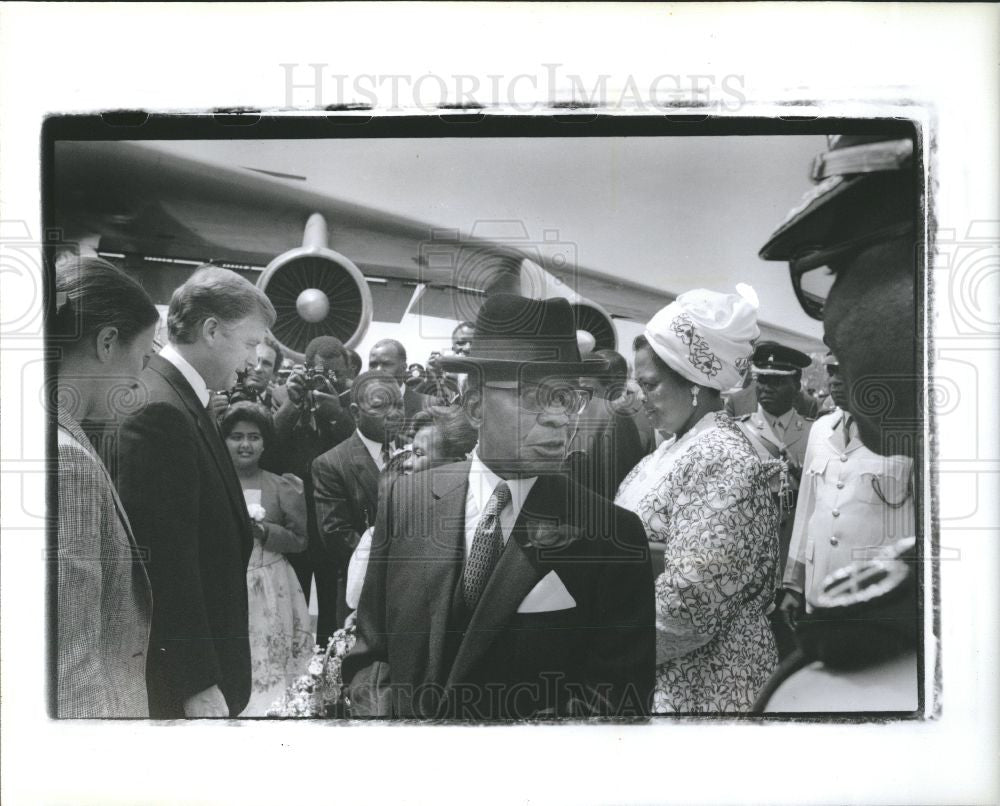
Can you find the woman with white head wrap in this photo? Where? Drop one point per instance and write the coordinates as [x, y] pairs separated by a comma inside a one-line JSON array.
[[705, 496]]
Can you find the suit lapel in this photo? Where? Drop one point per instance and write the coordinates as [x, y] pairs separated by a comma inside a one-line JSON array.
[[209, 433], [445, 555], [516, 573], [365, 472]]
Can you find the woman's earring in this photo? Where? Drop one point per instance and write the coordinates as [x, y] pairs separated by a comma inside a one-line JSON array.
[[694, 397]]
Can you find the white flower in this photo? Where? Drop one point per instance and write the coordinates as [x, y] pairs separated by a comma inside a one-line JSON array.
[[257, 512]]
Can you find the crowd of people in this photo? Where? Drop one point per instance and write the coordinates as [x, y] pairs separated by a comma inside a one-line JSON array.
[[520, 528]]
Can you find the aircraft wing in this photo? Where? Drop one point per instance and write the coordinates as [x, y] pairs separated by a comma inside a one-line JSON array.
[[141, 201]]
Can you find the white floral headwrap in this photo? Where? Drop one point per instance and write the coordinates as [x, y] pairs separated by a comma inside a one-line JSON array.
[[706, 336]]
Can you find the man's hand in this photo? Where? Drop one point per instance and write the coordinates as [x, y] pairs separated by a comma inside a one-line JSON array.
[[217, 404], [207, 703], [790, 605], [296, 384]]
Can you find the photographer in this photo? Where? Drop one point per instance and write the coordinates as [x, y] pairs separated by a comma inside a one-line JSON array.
[[310, 422]]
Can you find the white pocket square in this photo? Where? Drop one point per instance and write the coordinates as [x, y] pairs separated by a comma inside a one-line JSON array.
[[549, 594]]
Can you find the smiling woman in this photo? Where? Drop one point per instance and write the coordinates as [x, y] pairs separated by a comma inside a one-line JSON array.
[[281, 638]]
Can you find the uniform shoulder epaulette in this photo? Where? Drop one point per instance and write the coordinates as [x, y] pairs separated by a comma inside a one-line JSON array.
[[823, 414], [743, 418]]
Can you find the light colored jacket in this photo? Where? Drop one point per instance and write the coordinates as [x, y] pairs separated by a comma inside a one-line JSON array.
[[104, 596], [841, 516]]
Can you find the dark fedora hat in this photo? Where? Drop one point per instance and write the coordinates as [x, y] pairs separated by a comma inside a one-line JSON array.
[[515, 334]]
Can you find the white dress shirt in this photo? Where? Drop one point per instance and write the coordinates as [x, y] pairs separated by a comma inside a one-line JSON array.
[[191, 375], [374, 449], [482, 483]]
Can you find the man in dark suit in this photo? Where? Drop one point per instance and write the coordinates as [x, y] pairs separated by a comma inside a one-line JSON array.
[[185, 503], [346, 477], [496, 587], [605, 443], [314, 419], [389, 356]]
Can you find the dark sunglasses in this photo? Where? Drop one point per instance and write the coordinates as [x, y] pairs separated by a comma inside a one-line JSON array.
[[811, 272]]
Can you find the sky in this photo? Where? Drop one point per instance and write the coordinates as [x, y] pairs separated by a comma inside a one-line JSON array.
[[669, 212]]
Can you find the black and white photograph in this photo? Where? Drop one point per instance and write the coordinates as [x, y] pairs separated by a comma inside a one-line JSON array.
[[642, 415], [412, 461]]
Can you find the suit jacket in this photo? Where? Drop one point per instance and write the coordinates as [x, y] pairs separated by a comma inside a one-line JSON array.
[[745, 402], [345, 491], [413, 402], [600, 458], [420, 654], [184, 499], [104, 598]]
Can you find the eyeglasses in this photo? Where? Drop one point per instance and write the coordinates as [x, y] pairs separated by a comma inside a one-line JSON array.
[[812, 277], [552, 398]]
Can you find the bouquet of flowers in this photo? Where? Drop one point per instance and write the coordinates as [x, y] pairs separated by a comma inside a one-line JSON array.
[[319, 692]]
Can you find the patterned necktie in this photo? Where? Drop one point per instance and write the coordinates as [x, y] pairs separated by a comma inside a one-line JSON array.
[[486, 547]]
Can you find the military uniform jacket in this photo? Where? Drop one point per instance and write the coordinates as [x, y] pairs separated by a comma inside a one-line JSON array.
[[771, 444], [841, 516]]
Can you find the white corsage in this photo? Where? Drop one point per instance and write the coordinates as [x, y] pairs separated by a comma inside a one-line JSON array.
[[257, 512]]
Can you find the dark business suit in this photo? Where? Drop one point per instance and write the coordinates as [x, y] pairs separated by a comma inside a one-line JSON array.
[[345, 493], [300, 439], [184, 500], [420, 654]]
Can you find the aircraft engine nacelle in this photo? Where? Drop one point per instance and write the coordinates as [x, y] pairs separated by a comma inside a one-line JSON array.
[[536, 283], [316, 292]]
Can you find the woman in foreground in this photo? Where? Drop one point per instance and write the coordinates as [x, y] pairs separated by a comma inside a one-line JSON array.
[[705, 496], [103, 330]]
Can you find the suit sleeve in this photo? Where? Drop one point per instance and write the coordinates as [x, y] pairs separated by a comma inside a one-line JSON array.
[[286, 529], [719, 523], [365, 670], [159, 484], [620, 664], [84, 687], [335, 515]]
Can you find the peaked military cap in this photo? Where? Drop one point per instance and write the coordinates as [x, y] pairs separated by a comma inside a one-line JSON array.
[[771, 358]]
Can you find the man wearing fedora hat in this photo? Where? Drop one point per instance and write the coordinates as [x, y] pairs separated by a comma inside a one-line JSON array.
[[497, 588]]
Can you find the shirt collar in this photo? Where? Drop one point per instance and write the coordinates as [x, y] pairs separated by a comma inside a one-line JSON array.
[[374, 450], [191, 375], [483, 481], [784, 420]]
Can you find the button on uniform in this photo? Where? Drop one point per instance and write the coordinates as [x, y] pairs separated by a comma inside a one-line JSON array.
[[836, 513], [834, 541], [843, 457], [840, 485]]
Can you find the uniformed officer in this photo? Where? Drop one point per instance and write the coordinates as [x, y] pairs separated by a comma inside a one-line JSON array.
[[776, 429], [851, 502], [851, 250]]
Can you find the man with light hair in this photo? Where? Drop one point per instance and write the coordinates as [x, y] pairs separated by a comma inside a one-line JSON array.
[[185, 502]]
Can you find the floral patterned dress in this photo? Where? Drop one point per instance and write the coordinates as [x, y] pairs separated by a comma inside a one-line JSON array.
[[706, 497], [281, 639]]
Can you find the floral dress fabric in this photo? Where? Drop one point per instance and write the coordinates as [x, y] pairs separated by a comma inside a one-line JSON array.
[[706, 498], [281, 639]]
